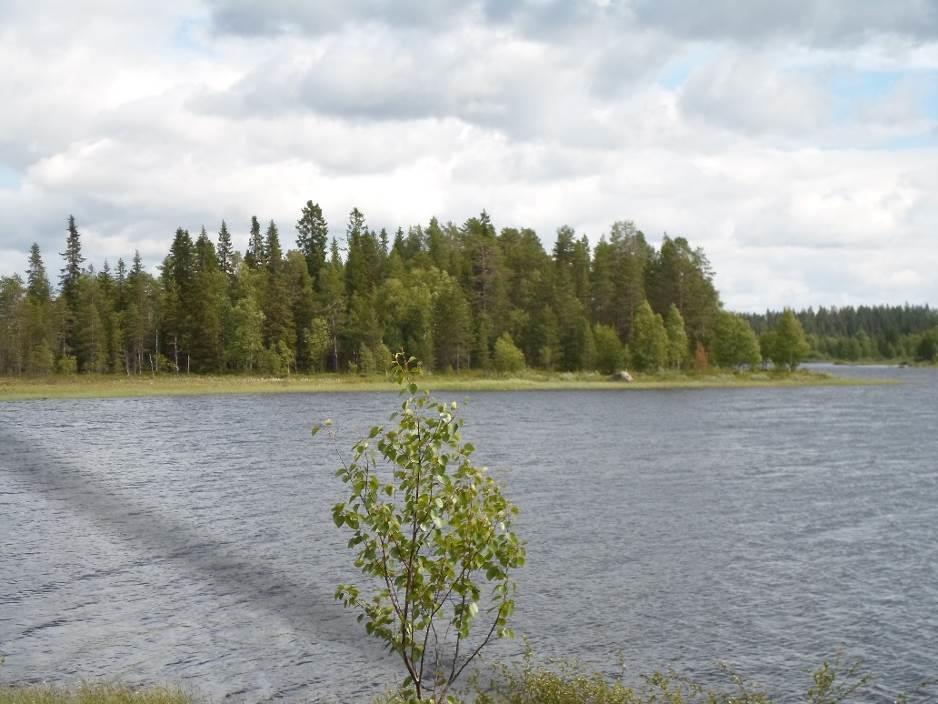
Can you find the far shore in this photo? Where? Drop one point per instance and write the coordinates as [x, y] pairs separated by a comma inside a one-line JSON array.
[[168, 384]]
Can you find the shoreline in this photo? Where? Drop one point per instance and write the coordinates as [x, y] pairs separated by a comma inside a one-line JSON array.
[[77, 387]]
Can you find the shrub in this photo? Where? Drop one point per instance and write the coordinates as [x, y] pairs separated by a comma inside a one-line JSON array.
[[836, 682], [88, 693], [433, 530], [507, 358], [610, 356]]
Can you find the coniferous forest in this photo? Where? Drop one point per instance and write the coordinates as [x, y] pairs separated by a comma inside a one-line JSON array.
[[456, 297]]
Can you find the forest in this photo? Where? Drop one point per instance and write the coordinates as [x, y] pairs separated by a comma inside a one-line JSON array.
[[456, 297], [865, 333]]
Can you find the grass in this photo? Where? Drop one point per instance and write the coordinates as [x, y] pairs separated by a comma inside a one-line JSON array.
[[116, 386], [92, 694]]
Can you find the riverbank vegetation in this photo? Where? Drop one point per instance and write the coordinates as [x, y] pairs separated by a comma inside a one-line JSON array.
[[837, 681], [458, 297], [877, 334], [91, 693], [118, 386]]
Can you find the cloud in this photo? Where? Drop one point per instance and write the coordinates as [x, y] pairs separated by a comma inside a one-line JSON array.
[[752, 96], [818, 23], [530, 17], [760, 138], [476, 74]]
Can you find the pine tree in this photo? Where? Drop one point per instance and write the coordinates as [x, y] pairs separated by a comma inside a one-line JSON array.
[[682, 276], [483, 275], [312, 237], [332, 303], [602, 275], [677, 338], [631, 255]]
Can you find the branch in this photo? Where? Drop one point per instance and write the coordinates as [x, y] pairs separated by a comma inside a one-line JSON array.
[[462, 616], [433, 614], [413, 545], [488, 637]]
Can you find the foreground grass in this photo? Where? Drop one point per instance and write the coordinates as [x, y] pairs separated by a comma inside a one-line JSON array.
[[113, 386], [92, 694], [836, 681]]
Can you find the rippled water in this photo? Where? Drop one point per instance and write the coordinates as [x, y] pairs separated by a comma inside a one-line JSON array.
[[189, 539]]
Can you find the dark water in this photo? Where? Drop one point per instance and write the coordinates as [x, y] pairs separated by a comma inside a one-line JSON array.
[[189, 539]]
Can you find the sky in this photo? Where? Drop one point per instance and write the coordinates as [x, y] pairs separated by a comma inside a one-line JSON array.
[[796, 142]]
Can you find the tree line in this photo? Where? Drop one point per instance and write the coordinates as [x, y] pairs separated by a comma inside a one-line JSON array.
[[888, 333], [455, 296]]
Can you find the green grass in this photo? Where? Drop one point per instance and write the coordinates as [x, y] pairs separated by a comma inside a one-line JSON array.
[[92, 694], [115, 386]]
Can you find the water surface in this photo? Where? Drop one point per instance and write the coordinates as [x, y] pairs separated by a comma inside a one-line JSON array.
[[189, 539]]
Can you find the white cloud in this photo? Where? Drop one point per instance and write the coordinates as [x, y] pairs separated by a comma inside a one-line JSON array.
[[749, 95], [544, 114]]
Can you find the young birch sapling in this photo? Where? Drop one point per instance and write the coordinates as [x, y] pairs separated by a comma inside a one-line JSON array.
[[434, 532]]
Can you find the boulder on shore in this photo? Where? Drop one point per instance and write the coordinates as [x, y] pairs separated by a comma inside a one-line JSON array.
[[622, 376]]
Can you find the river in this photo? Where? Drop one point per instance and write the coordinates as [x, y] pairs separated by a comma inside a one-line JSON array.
[[190, 540]]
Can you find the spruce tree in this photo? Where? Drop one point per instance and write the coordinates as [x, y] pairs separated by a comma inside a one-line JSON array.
[[70, 281], [71, 272], [178, 298], [38, 330], [225, 252], [272, 247], [207, 311], [37, 285], [255, 255], [332, 303]]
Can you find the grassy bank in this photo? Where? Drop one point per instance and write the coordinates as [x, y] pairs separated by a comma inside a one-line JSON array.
[[92, 694], [837, 681], [24, 388]]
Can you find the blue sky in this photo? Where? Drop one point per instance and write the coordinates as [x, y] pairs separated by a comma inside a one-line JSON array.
[[795, 142], [9, 178]]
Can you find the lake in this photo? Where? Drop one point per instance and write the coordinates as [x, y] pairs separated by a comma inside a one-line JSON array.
[[190, 540]]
